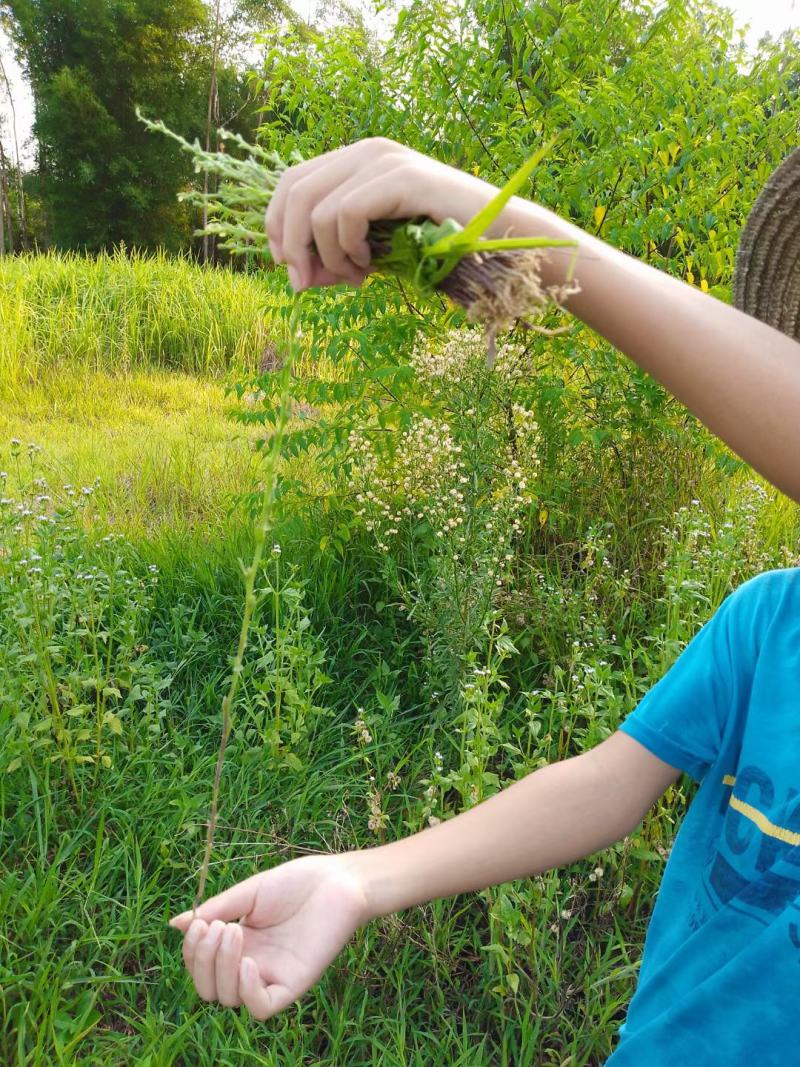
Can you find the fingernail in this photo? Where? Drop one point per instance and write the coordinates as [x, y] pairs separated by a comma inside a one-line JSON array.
[[214, 934], [178, 918]]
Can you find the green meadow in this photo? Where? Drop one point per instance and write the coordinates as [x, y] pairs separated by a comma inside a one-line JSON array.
[[126, 494]]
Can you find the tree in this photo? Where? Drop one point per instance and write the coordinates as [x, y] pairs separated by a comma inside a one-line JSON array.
[[90, 63]]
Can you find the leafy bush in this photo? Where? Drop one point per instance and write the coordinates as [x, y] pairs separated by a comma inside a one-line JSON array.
[[659, 155]]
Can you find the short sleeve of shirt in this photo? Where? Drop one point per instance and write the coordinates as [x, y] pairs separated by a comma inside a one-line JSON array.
[[683, 719]]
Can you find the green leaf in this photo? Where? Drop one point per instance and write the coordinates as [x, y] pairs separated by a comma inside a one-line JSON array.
[[114, 723], [486, 216], [499, 243], [293, 762]]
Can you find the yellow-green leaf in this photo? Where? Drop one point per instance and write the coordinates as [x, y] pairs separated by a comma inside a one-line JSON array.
[[113, 723], [499, 243], [478, 225]]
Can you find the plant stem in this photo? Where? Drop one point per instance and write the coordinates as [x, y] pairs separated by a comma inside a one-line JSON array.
[[263, 528]]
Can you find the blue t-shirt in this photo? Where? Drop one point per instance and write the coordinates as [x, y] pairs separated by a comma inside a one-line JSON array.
[[720, 977]]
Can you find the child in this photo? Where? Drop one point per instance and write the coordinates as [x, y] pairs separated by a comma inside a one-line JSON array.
[[720, 976]]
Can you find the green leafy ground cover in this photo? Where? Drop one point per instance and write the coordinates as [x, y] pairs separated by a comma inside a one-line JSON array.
[[406, 688]]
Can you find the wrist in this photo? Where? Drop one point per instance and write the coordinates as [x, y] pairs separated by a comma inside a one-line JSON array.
[[453, 194], [461, 196], [369, 868]]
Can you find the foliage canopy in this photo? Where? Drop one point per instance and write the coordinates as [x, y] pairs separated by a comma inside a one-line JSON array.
[[102, 179]]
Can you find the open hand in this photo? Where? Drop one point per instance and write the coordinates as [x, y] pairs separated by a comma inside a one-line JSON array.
[[266, 941]]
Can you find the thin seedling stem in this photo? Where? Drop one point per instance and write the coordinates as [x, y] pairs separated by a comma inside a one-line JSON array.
[[263, 528]]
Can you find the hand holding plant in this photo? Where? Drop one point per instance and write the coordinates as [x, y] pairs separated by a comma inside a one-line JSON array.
[[265, 942], [378, 205]]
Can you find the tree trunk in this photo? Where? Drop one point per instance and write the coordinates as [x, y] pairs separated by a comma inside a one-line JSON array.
[[5, 206], [23, 222], [212, 119], [2, 222]]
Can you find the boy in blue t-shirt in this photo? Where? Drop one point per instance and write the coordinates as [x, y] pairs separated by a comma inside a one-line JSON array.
[[720, 978]]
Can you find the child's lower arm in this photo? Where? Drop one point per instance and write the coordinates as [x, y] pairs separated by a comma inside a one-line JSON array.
[[267, 940], [556, 815]]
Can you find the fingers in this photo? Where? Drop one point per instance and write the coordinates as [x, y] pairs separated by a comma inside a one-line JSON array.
[[234, 903], [298, 235], [228, 962], [204, 965], [320, 276], [197, 931], [336, 225], [273, 220], [213, 955], [261, 1000], [289, 214], [325, 231], [319, 217]]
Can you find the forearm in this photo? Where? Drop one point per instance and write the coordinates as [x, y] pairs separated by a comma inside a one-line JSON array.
[[739, 376], [556, 815]]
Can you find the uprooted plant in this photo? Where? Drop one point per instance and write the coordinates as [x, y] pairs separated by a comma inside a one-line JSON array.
[[497, 282]]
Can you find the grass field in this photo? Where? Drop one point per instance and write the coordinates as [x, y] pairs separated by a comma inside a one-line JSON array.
[[109, 707]]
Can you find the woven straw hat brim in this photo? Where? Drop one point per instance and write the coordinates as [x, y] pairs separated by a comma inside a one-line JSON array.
[[766, 280]]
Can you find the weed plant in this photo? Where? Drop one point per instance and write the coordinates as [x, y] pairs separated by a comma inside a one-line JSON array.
[[76, 671]]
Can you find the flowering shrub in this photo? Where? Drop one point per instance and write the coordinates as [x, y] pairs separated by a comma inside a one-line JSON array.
[[446, 498], [422, 482]]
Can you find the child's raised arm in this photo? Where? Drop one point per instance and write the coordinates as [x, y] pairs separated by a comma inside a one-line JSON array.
[[741, 377], [265, 942]]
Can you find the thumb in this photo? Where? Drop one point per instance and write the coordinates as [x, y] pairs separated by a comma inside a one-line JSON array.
[[234, 903]]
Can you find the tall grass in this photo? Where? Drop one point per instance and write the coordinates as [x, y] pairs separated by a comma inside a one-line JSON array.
[[126, 311]]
